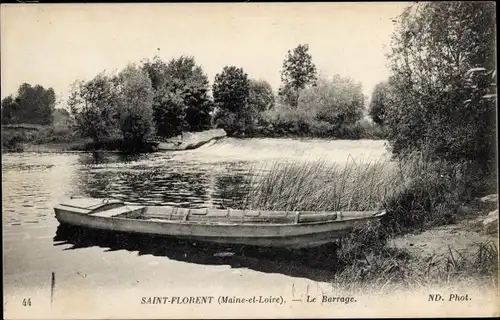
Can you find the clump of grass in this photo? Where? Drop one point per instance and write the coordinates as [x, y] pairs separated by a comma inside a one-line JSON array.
[[391, 269]]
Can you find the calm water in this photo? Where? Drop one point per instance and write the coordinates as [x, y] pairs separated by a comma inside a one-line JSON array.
[[211, 176]]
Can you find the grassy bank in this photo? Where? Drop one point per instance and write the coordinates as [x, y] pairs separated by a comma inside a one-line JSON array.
[[28, 137], [418, 195], [41, 138], [287, 125]]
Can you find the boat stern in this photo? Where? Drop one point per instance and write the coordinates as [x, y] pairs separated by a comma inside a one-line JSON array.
[[84, 206]]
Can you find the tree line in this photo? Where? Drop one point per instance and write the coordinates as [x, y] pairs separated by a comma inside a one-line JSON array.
[[163, 99], [31, 104]]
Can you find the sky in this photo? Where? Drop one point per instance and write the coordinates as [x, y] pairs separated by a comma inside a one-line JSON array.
[[55, 44]]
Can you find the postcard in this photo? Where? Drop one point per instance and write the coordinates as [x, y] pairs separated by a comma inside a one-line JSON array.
[[249, 160]]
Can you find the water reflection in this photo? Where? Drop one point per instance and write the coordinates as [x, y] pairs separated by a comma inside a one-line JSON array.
[[96, 158], [315, 264], [164, 182]]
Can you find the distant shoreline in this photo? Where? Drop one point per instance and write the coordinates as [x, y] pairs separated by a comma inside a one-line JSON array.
[[46, 139], [188, 141]]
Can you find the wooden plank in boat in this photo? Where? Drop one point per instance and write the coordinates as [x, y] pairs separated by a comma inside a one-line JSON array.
[[310, 216], [218, 213], [235, 213], [357, 214], [199, 212], [275, 214], [114, 212], [252, 213]]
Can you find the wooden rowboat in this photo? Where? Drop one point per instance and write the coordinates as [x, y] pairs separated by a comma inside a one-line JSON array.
[[285, 229]]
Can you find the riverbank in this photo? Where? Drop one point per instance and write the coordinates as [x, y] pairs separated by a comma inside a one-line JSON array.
[[49, 138], [465, 251], [33, 138]]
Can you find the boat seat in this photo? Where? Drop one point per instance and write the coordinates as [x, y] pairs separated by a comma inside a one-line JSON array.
[[252, 213], [276, 214], [218, 213], [311, 216], [115, 212]]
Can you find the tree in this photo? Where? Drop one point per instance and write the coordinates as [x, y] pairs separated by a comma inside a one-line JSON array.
[[11, 111], [260, 95], [190, 81], [135, 105], [379, 102], [337, 101], [260, 99], [434, 46], [231, 92], [168, 104], [93, 105], [298, 72], [156, 69], [181, 98], [32, 104]]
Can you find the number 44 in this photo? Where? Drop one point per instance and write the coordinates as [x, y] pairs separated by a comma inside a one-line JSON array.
[[27, 302]]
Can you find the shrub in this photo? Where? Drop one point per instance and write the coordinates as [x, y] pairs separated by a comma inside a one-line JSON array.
[[339, 101], [12, 140]]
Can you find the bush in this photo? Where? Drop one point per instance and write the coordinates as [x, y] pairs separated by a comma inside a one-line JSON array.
[[286, 121], [338, 101], [12, 140], [116, 144]]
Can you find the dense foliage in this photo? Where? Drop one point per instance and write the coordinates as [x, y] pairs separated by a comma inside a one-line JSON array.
[[135, 105], [93, 105], [434, 107], [337, 101], [231, 92], [181, 100], [379, 102], [32, 104]]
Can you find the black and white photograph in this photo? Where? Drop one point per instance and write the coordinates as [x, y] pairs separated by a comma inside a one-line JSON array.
[[249, 160]]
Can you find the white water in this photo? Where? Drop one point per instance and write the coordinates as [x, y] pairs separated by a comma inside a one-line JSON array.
[[265, 149]]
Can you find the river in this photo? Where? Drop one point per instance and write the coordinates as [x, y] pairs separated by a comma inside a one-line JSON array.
[[210, 176]]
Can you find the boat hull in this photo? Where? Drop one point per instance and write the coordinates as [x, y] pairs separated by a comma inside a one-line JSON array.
[[291, 236]]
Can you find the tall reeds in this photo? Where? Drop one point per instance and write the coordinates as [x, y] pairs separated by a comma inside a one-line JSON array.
[[322, 186]]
